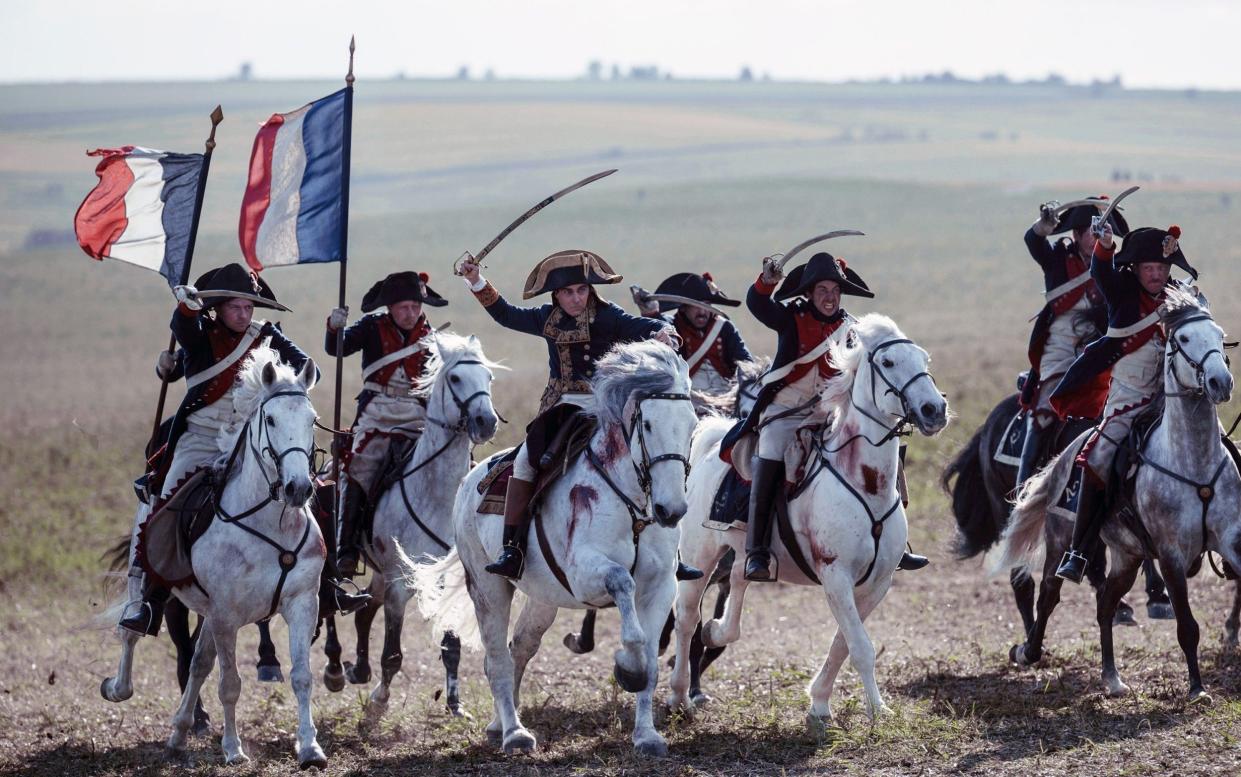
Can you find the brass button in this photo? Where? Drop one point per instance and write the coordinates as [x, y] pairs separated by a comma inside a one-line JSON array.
[[586, 357]]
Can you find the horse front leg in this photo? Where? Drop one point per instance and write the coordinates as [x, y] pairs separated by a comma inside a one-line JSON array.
[[629, 666], [1119, 581], [301, 615], [359, 673], [701, 657], [1023, 592], [200, 667], [653, 602], [268, 667], [225, 639], [333, 672], [583, 641], [533, 622], [395, 599], [177, 619], [686, 625], [1187, 632], [850, 612], [718, 632]]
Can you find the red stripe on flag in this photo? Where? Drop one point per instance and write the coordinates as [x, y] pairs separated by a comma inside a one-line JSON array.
[[101, 217], [258, 190]]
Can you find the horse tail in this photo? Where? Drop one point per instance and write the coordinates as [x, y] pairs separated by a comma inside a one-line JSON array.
[[442, 591], [1024, 534], [707, 436], [980, 518], [117, 556]]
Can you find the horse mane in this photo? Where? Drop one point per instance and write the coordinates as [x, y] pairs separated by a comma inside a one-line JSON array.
[[869, 331], [648, 366], [251, 391], [1180, 305], [445, 350], [722, 404]]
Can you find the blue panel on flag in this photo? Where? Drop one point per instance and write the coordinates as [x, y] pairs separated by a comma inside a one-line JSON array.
[[181, 172], [319, 216]]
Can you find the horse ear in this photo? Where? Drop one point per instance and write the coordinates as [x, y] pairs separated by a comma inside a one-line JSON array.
[[309, 375], [269, 374], [474, 340]]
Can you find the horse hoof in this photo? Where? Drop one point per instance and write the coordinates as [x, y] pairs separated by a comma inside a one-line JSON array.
[[1117, 689], [271, 674], [333, 680], [357, 674], [700, 698], [1199, 697], [1124, 615], [1017, 654], [236, 760], [574, 644], [651, 748], [821, 727], [709, 638], [105, 690], [1160, 611], [494, 737], [520, 741], [313, 758], [457, 711], [632, 682], [201, 727]]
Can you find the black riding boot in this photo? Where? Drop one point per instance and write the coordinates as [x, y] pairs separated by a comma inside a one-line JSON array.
[[350, 528], [911, 561], [768, 477], [150, 615], [1086, 526], [685, 571], [333, 598], [1031, 450], [512, 560]]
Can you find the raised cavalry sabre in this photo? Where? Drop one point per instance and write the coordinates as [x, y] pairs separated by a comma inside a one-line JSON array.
[[811, 241], [643, 297], [1102, 219], [523, 218]]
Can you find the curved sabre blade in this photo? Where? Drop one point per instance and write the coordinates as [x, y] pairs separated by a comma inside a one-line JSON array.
[[816, 239], [1095, 201], [678, 299], [1116, 201], [523, 218]]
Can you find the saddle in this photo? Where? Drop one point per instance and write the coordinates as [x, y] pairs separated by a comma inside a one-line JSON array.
[[554, 454], [167, 536]]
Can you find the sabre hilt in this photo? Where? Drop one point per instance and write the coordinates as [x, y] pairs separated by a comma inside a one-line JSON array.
[[460, 261]]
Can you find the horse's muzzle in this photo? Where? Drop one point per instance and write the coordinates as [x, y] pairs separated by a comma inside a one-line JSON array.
[[1219, 388], [931, 417], [482, 427], [668, 516], [297, 492]]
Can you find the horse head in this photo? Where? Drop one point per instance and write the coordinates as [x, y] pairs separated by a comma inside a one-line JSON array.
[[893, 377], [644, 388], [1194, 362], [281, 427], [457, 385]]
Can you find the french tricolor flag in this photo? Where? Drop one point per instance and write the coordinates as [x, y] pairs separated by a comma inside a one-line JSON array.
[[142, 209], [292, 211]]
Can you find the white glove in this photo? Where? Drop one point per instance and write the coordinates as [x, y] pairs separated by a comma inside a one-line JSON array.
[[188, 296], [338, 318], [771, 272], [669, 337], [1047, 219], [165, 364]]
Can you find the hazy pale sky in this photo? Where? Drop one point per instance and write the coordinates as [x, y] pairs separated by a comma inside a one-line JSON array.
[[1149, 43]]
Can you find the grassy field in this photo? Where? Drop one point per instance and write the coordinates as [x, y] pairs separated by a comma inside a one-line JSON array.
[[944, 179]]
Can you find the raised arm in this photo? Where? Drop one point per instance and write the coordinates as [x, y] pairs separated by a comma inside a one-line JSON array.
[[355, 335]]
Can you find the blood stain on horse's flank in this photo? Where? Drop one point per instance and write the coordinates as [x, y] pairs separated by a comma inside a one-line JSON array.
[[872, 479], [613, 444], [581, 500]]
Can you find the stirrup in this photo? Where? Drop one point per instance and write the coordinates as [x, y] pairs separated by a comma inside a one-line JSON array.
[[140, 623], [1072, 566]]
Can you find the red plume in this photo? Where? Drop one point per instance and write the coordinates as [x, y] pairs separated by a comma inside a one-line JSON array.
[[424, 277], [843, 264], [1103, 197], [1175, 231], [706, 276]]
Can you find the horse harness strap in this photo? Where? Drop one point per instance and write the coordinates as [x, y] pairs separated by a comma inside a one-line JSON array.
[[409, 507], [1205, 491]]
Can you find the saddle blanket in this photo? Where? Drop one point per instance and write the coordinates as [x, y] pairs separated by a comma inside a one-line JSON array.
[[1014, 439]]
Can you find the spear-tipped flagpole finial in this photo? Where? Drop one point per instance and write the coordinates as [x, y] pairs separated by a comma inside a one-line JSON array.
[[217, 116], [352, 46]]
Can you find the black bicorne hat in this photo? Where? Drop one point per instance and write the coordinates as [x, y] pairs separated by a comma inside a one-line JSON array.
[[566, 268], [401, 287], [1151, 244], [1082, 216], [693, 286], [822, 266], [232, 281]]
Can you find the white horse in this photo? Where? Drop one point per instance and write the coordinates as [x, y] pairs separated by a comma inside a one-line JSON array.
[[846, 517], [595, 521], [415, 515], [261, 555], [1187, 497]]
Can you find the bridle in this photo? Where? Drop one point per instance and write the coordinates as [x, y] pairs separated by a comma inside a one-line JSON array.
[[1197, 365], [273, 486], [463, 405], [901, 427], [643, 470]]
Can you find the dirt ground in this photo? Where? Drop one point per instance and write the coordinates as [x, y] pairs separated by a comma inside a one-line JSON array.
[[942, 637]]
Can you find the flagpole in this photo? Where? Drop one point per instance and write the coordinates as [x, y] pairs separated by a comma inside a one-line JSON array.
[[217, 116], [344, 268]]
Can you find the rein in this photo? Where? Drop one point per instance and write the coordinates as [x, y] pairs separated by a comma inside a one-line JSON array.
[[287, 558]]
